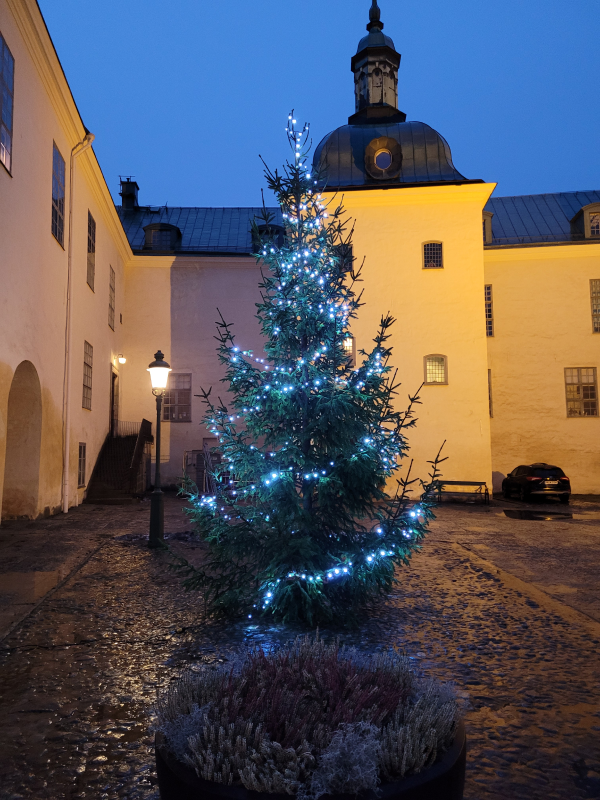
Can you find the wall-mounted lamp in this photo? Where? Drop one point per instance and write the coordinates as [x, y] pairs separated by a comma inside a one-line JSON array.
[[122, 359]]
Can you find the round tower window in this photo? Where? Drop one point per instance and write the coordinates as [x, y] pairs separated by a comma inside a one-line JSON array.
[[383, 159]]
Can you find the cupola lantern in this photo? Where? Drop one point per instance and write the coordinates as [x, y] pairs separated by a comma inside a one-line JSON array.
[[375, 67]]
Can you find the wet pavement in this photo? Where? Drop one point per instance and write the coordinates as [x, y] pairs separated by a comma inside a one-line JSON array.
[[509, 609]]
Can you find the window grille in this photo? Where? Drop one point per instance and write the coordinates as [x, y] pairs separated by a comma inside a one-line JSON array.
[[436, 369], [91, 251], [177, 404], [81, 466], [111, 299], [490, 393], [432, 255], [161, 240], [595, 224], [350, 349], [595, 299], [582, 391], [58, 196], [7, 80], [88, 358], [489, 311]]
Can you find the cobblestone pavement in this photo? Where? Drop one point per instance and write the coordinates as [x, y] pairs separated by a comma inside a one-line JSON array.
[[506, 608]]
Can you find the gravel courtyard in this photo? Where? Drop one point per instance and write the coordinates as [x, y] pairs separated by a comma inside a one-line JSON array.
[[92, 624]]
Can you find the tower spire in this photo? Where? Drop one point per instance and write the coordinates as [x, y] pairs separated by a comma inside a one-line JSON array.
[[375, 22], [375, 67]]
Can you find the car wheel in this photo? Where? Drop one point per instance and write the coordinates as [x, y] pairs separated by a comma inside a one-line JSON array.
[[523, 494], [564, 498], [506, 492]]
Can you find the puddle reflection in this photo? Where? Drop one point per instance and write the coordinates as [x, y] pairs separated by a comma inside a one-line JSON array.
[[544, 516]]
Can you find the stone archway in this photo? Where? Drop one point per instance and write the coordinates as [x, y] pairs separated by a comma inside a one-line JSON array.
[[23, 441]]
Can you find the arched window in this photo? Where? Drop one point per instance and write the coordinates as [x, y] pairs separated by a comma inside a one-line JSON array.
[[432, 255], [161, 236], [436, 369], [586, 223]]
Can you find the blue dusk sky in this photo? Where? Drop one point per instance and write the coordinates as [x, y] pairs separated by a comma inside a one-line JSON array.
[[185, 95]]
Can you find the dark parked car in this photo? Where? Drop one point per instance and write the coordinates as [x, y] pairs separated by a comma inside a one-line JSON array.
[[538, 480]]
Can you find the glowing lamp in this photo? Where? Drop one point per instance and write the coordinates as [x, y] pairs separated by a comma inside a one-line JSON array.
[[159, 372], [122, 359]]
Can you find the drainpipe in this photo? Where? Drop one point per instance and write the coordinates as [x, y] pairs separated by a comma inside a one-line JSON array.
[[76, 151]]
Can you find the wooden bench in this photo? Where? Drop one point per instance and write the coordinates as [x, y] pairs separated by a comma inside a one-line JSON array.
[[479, 489]]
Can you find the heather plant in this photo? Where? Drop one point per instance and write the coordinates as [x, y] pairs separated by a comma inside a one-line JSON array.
[[308, 719]]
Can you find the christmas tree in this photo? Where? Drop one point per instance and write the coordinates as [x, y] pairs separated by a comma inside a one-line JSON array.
[[300, 525]]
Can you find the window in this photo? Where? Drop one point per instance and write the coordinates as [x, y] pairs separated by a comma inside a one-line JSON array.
[[432, 255], [490, 393], [595, 299], [487, 227], [436, 369], [586, 222], [350, 349], [88, 358], [91, 251], [582, 392], [161, 240], [178, 399], [58, 196], [81, 466], [7, 80], [111, 299], [489, 311]]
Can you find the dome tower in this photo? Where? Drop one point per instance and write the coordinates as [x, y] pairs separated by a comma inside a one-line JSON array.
[[378, 147]]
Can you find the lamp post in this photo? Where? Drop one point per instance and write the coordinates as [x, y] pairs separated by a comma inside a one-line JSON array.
[[159, 375]]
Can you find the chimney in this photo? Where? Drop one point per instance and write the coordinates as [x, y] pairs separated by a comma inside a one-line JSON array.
[[129, 193]]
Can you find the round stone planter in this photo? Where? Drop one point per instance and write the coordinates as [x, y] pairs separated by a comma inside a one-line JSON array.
[[444, 780]]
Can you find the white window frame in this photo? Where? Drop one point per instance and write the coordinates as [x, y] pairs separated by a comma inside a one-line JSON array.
[[435, 383]]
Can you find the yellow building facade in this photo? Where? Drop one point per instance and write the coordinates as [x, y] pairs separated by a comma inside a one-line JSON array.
[[497, 300]]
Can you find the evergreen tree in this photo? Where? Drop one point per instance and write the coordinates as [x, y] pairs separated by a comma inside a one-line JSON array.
[[301, 526]]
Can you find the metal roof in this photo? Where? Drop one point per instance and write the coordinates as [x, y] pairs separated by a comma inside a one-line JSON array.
[[520, 220], [537, 218], [203, 230], [426, 156]]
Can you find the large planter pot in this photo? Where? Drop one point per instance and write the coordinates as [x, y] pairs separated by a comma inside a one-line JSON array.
[[445, 780]]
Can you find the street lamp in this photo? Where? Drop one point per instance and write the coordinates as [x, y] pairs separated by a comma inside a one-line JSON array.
[[159, 375]]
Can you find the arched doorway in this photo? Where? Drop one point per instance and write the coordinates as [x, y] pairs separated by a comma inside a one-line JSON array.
[[23, 440]]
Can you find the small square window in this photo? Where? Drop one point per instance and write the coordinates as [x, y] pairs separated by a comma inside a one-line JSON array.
[[436, 369], [432, 255]]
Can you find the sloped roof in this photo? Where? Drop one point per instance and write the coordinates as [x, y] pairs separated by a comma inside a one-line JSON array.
[[203, 230], [537, 218], [524, 219]]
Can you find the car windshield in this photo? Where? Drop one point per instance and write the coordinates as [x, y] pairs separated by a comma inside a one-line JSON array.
[[548, 473]]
